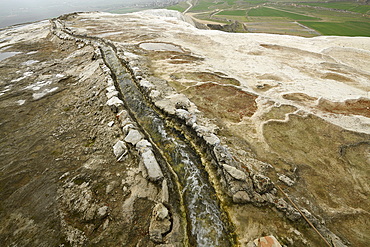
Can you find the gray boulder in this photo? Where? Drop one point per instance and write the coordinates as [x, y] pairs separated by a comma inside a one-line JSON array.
[[160, 223], [235, 173], [133, 136], [241, 197], [120, 150], [151, 165], [262, 184]]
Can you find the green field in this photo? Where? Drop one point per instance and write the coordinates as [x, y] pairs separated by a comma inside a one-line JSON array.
[[350, 6], [231, 2], [263, 11], [285, 16], [203, 5], [255, 1], [233, 12], [349, 28]]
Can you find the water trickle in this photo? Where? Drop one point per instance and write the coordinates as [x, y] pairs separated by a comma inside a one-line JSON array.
[[203, 211]]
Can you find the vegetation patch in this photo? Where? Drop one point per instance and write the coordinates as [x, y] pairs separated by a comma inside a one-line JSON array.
[[233, 12], [203, 6], [349, 6], [282, 17], [255, 1], [231, 2], [223, 102], [354, 106], [264, 11], [349, 28], [177, 7], [206, 77]]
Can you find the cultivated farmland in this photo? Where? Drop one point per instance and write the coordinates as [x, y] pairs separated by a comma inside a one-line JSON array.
[[303, 18]]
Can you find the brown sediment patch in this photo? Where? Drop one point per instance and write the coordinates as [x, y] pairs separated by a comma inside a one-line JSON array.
[[359, 106], [300, 97], [336, 77], [187, 57], [173, 57], [206, 77], [329, 162], [223, 102], [291, 50], [278, 112]]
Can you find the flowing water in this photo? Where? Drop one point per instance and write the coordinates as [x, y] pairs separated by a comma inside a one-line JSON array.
[[203, 212]]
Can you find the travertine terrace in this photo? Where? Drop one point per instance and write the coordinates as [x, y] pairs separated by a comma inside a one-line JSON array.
[[142, 130]]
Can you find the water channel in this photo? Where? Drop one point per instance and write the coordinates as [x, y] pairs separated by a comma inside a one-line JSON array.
[[203, 213]]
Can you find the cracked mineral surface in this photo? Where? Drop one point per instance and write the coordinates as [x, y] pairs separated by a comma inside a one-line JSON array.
[[142, 130]]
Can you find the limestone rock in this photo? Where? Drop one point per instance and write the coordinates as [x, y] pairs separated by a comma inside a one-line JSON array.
[[114, 101], [234, 172], [111, 88], [268, 197], [127, 128], [157, 229], [160, 223], [262, 184], [133, 136], [201, 130], [103, 211], [119, 150], [189, 118], [241, 197], [147, 86], [122, 115], [142, 145], [211, 139], [286, 180], [165, 193], [155, 94], [152, 166], [222, 154], [268, 241], [238, 185], [258, 199], [173, 102], [183, 104], [112, 94], [160, 212], [125, 122]]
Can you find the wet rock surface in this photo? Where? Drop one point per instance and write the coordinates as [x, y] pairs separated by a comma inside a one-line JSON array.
[[94, 172]]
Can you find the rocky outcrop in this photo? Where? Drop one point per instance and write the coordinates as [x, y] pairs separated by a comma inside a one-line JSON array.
[[151, 165], [160, 223], [235, 27], [119, 150]]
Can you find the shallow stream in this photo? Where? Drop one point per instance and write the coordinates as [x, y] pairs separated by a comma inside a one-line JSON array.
[[204, 214]]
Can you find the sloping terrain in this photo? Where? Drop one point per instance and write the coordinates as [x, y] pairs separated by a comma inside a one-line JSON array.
[[141, 130]]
